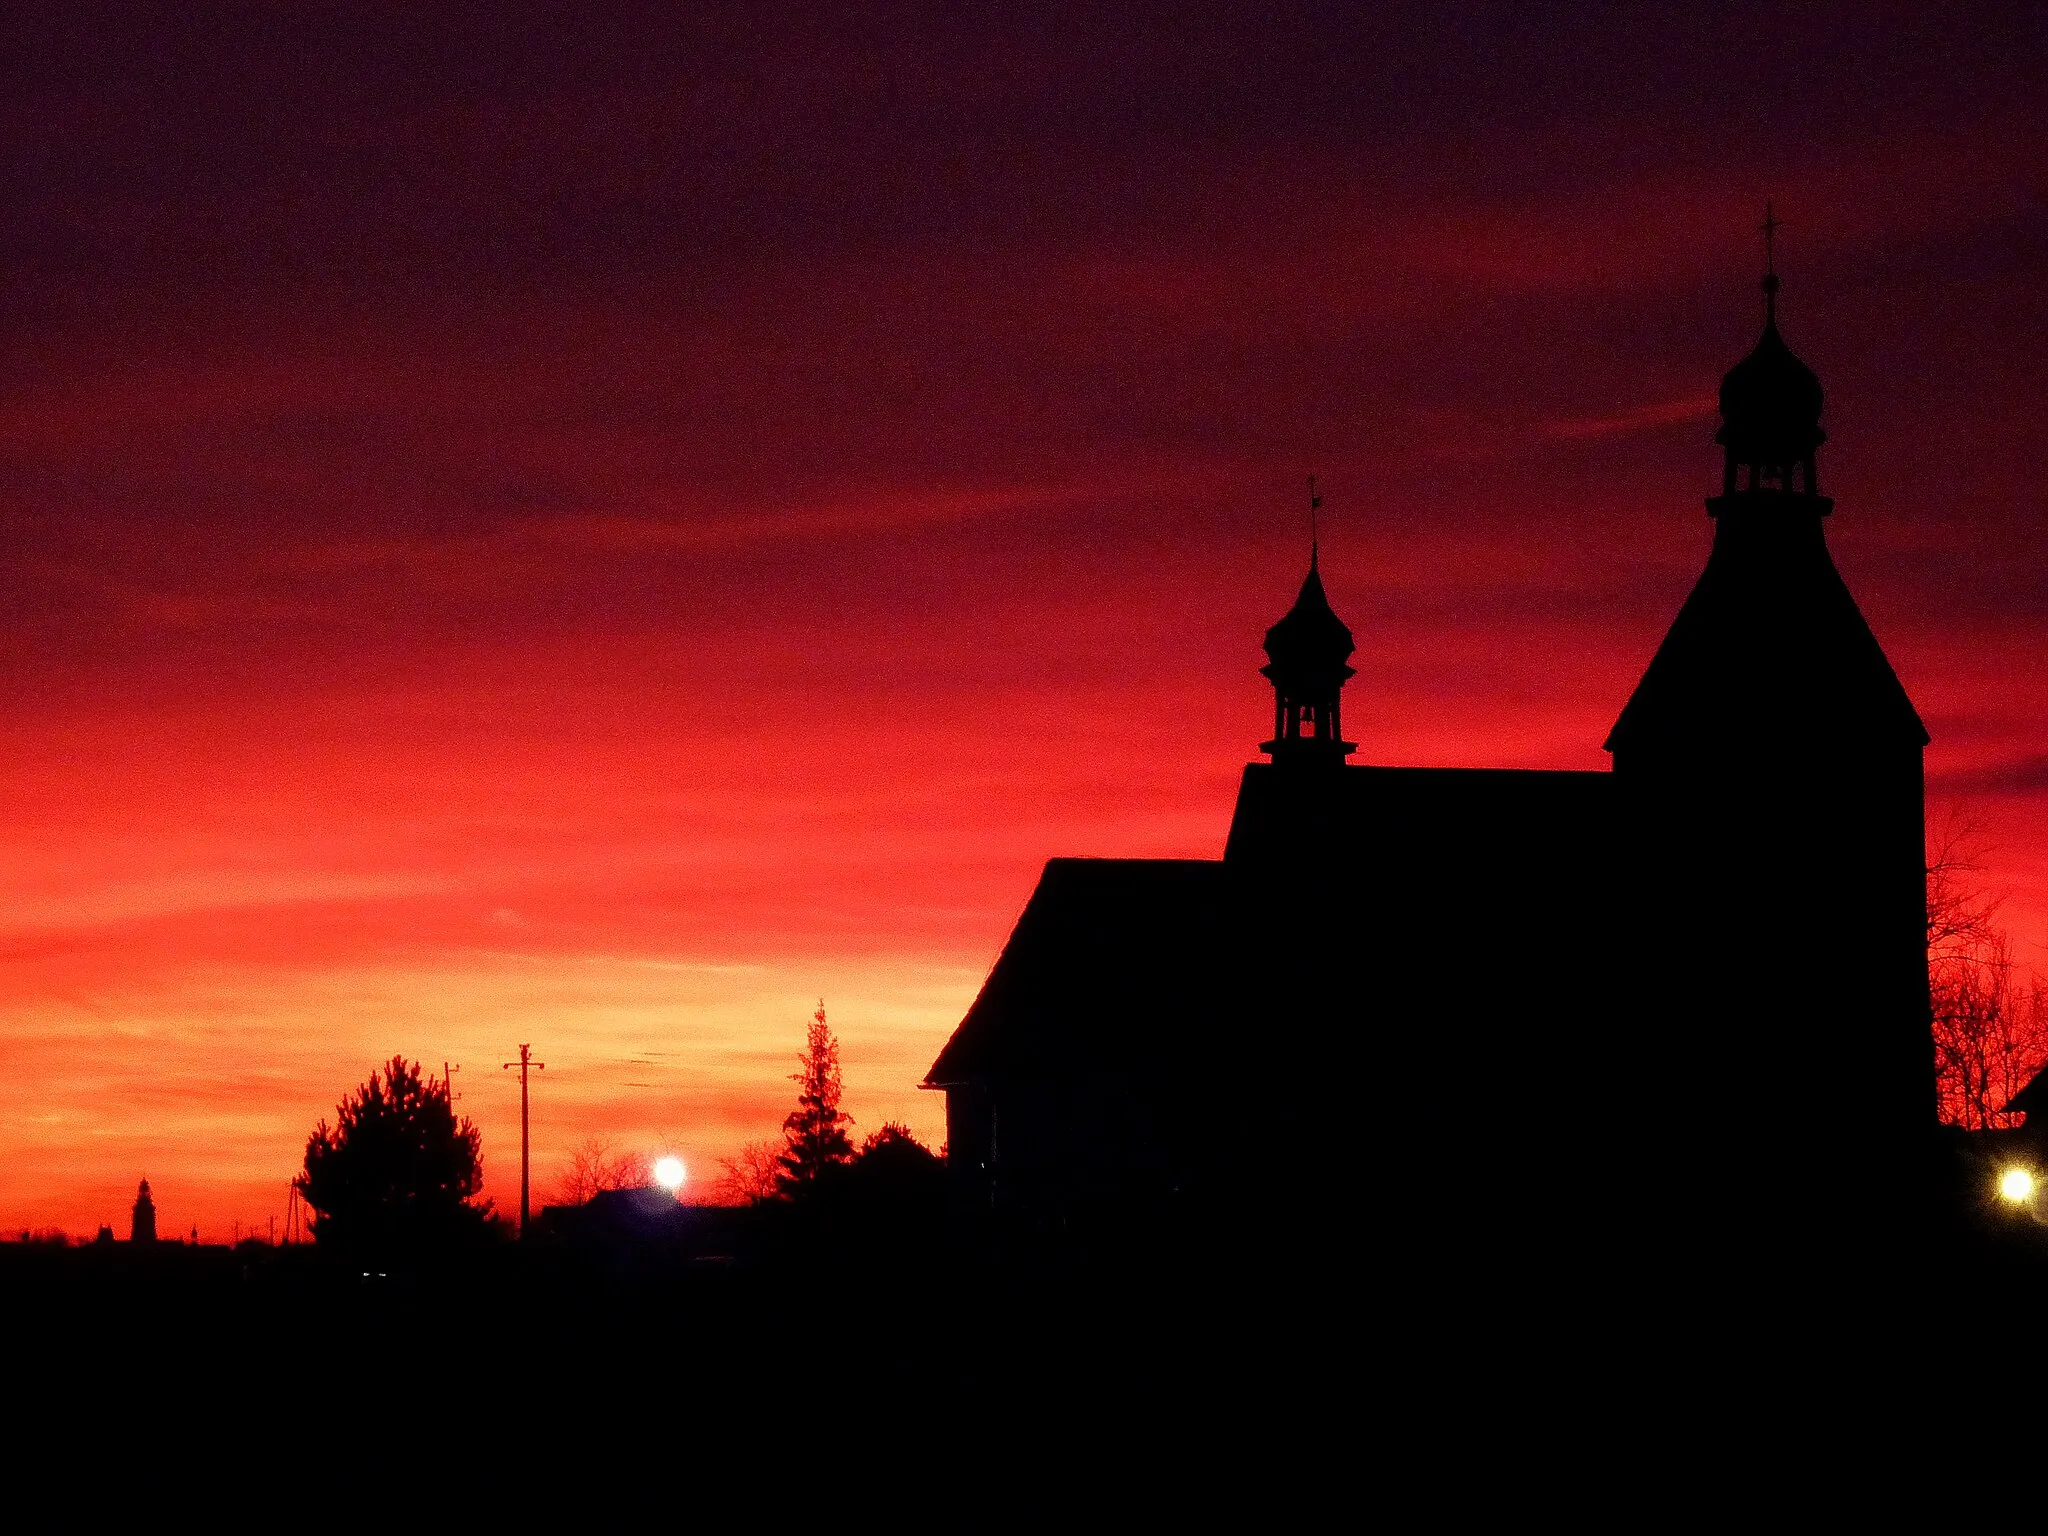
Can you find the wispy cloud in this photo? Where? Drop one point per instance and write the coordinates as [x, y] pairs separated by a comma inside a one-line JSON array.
[[1639, 418], [2015, 776], [198, 891]]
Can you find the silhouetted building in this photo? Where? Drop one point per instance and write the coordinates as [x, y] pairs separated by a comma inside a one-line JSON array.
[[1071, 1074], [142, 1226], [646, 1221], [1771, 771], [2031, 1104], [1506, 991], [642, 1210]]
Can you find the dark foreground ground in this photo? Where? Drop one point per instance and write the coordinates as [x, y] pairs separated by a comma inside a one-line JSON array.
[[1230, 1350]]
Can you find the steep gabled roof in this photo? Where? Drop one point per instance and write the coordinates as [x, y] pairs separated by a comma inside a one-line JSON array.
[[1769, 651], [1108, 960]]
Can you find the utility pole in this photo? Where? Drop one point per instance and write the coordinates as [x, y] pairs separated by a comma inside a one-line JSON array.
[[448, 1081], [525, 1062]]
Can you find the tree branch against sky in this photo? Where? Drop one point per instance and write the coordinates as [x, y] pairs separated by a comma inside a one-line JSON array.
[[599, 1165], [1990, 1013]]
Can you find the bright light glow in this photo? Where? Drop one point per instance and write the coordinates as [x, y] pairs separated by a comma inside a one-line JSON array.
[[669, 1173], [2016, 1185]]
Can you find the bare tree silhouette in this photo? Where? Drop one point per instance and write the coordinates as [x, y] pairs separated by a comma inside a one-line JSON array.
[[1990, 1021], [596, 1167], [752, 1175]]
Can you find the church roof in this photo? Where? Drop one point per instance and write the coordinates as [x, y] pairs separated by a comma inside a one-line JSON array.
[[1770, 650], [1144, 969], [1110, 959], [1464, 827]]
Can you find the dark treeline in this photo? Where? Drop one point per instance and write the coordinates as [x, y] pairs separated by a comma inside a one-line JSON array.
[[857, 1268], [394, 1184]]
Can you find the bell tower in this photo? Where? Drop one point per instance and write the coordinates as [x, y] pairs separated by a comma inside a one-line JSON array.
[[1769, 769], [1308, 654]]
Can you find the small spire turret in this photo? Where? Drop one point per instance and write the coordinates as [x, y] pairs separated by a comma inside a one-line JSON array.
[[1308, 654]]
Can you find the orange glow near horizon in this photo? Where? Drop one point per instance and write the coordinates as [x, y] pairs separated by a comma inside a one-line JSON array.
[[681, 525], [213, 929]]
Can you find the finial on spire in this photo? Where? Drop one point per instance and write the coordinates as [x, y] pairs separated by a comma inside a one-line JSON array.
[[1771, 226], [1315, 504]]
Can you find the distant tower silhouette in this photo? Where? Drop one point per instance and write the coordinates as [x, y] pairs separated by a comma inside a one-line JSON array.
[[1770, 763], [142, 1227], [1309, 651]]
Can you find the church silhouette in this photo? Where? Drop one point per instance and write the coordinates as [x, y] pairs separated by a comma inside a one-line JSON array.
[[1685, 996]]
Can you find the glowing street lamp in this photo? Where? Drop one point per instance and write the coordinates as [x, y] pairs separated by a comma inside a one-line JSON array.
[[2016, 1186], [669, 1173]]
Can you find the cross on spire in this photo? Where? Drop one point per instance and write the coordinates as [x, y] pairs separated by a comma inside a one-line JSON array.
[[1315, 504]]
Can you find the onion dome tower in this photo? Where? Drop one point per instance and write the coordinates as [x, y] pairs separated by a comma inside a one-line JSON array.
[[1769, 767], [142, 1228], [1770, 653], [1770, 413], [1308, 653]]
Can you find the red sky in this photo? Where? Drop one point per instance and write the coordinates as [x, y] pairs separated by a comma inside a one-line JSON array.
[[602, 530]]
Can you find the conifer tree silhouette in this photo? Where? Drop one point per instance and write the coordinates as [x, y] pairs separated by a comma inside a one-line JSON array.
[[814, 1133], [398, 1171]]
